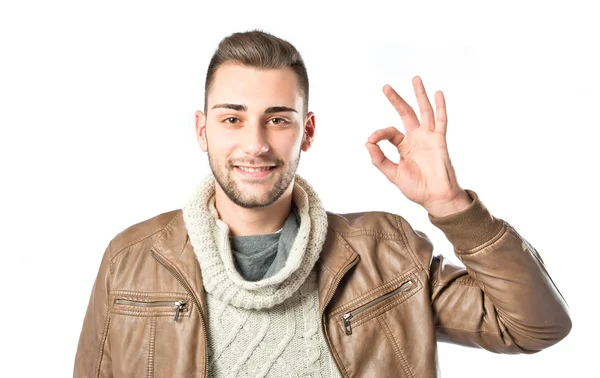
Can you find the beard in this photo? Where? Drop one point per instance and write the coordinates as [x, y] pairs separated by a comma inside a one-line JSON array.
[[283, 174]]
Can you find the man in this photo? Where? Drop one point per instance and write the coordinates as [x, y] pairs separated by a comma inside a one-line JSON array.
[[252, 277]]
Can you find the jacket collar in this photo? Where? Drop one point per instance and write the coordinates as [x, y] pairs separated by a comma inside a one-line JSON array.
[[173, 247]]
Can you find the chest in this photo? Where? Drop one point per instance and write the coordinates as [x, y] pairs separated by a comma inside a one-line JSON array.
[[269, 342]]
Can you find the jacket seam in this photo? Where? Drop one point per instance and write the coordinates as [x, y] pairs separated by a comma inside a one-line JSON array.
[[155, 314], [151, 344], [326, 267], [408, 246], [100, 351], [381, 235], [455, 282], [471, 331], [145, 236], [149, 294], [104, 336], [184, 244], [396, 347]]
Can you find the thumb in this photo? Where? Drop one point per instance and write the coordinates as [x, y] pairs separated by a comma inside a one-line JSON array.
[[379, 160]]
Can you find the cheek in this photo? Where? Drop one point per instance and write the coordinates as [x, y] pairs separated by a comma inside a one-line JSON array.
[[220, 143], [288, 145]]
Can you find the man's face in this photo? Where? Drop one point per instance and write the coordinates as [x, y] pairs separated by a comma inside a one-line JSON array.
[[253, 132]]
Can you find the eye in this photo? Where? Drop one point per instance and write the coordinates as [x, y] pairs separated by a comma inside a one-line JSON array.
[[231, 120], [278, 121]]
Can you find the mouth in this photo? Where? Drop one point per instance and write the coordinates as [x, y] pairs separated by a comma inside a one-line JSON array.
[[254, 172]]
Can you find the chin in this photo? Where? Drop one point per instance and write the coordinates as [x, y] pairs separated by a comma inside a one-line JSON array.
[[250, 203]]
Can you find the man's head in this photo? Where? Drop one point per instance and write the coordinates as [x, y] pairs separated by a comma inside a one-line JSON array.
[[256, 121]]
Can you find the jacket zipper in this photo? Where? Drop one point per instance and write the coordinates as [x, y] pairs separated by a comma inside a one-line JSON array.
[[350, 314], [327, 300], [177, 304], [187, 287]]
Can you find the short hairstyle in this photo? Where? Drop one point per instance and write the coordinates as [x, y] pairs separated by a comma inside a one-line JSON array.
[[260, 50]]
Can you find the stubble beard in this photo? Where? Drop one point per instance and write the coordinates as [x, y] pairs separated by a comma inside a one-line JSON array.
[[223, 174]]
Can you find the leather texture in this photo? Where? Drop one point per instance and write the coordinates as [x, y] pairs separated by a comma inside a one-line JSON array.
[[402, 298]]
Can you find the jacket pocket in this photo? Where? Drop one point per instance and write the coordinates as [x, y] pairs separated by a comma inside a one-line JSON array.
[[151, 308], [145, 328], [175, 305], [373, 305]]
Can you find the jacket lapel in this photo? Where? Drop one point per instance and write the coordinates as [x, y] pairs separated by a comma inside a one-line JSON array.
[[173, 246], [336, 259]]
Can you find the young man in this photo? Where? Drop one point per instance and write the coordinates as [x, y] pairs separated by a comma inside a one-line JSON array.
[[253, 278]]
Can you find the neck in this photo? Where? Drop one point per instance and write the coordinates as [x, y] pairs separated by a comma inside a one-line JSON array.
[[254, 221]]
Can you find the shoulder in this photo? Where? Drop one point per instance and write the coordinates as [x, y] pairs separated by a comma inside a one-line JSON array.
[[375, 230], [377, 223], [144, 231]]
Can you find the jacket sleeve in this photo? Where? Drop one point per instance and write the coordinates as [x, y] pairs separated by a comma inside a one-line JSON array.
[[503, 300], [93, 357]]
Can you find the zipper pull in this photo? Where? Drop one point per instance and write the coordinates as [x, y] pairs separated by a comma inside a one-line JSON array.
[[178, 306], [347, 316]]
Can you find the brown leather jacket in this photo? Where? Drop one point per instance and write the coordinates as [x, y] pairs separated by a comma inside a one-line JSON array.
[[384, 297]]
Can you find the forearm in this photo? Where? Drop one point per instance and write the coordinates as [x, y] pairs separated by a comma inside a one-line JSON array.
[[510, 273]]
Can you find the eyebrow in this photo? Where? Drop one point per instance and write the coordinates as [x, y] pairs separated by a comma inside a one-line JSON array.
[[244, 108]]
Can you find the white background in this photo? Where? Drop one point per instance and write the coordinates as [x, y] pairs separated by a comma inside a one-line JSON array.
[[97, 106]]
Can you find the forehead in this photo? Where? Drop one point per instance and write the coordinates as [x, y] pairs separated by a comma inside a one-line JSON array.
[[253, 87]]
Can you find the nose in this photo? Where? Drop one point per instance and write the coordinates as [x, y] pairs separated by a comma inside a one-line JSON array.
[[255, 140]]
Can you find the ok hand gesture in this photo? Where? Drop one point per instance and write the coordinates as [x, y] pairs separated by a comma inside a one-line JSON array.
[[424, 174]]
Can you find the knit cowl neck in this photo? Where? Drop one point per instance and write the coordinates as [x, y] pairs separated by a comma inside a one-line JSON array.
[[209, 237]]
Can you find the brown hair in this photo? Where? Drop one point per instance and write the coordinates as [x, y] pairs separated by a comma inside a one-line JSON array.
[[260, 50]]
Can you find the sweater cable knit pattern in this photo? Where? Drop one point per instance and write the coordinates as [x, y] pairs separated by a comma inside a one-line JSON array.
[[270, 327]]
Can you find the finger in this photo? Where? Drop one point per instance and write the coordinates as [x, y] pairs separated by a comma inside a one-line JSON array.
[[427, 117], [391, 133], [441, 118], [407, 114], [379, 160]]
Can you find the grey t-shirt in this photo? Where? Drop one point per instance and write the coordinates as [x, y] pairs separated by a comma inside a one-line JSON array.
[[261, 256]]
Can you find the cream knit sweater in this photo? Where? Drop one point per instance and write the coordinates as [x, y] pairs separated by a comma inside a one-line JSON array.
[[266, 328]]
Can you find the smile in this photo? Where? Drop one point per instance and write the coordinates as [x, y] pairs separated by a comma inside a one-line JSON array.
[[254, 172], [250, 169]]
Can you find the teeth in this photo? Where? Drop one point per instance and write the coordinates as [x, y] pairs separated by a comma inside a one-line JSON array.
[[247, 169]]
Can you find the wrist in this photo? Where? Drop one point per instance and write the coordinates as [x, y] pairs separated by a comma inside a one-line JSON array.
[[470, 228], [459, 203]]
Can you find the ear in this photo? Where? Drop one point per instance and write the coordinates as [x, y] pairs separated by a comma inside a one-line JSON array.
[[201, 130], [309, 131]]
